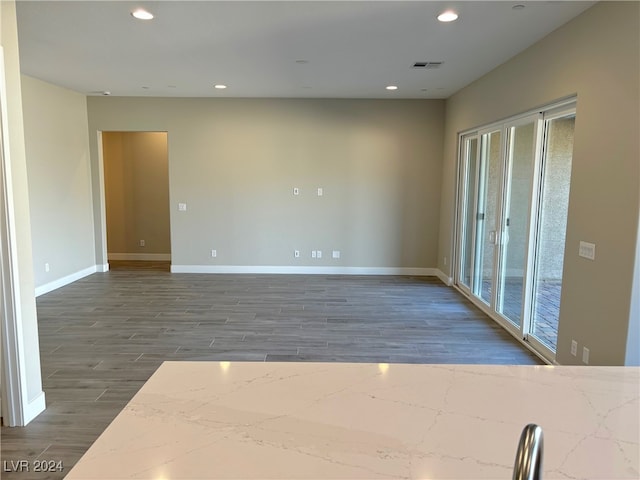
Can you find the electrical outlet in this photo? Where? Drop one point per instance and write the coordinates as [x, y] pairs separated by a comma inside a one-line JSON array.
[[574, 348], [46, 267], [585, 355], [587, 250], [141, 243], [182, 207], [296, 253], [313, 254], [445, 260], [319, 254], [214, 253], [335, 254]]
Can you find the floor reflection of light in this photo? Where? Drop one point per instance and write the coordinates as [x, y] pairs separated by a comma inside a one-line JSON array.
[[224, 366], [383, 367]]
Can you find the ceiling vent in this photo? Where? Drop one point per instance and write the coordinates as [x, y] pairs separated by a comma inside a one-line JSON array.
[[427, 65]]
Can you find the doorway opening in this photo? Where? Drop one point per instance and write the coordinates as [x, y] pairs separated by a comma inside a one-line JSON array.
[[136, 186], [514, 180]]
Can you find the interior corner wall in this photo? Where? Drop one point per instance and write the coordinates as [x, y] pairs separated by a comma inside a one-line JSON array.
[[596, 56], [57, 147], [136, 175], [235, 163]]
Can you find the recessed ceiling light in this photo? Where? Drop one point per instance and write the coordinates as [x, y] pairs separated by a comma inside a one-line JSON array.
[[518, 7], [220, 86], [106, 93], [391, 87], [142, 14], [448, 16]]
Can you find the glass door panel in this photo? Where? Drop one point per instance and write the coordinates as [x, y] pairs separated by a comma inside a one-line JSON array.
[[489, 186], [552, 227], [469, 181], [521, 155]]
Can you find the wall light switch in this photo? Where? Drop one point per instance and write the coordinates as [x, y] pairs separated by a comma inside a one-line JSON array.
[[335, 254], [319, 254], [587, 250], [46, 267], [214, 253], [182, 207], [141, 243], [320, 191], [313, 254], [574, 348]]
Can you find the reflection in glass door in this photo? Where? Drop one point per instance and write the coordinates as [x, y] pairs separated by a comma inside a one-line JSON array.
[[469, 180], [487, 211], [520, 158]]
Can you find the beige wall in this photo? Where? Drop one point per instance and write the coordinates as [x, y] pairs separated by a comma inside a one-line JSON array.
[[19, 194], [137, 192], [57, 147], [595, 56], [235, 162]]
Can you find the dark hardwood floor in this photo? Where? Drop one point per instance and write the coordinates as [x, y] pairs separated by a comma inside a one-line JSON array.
[[103, 336]]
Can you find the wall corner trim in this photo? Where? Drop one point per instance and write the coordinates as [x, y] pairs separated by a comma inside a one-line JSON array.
[[66, 280], [102, 268], [34, 408], [448, 281], [303, 270]]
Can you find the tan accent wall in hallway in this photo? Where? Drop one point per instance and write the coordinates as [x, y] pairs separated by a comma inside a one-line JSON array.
[[137, 193]]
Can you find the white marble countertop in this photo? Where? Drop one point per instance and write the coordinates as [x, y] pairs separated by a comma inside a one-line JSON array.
[[206, 420]]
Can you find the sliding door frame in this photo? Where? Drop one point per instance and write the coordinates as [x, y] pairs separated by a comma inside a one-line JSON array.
[[541, 116]]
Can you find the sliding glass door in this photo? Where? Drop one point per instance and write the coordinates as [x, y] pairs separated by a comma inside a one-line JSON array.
[[513, 176], [551, 225], [518, 183]]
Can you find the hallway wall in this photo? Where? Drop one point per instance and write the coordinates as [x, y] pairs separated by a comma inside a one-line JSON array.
[[60, 197], [235, 163], [137, 195]]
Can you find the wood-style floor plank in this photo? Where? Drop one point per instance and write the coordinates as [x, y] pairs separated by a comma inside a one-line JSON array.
[[102, 337]]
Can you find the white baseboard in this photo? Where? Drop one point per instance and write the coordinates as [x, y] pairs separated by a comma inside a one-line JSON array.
[[448, 281], [102, 268], [303, 270], [158, 257], [34, 408], [61, 282]]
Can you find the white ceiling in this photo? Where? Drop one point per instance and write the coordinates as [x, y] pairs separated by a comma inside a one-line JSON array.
[[353, 48]]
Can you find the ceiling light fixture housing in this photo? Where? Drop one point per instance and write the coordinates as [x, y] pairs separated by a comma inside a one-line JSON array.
[[219, 86], [391, 87], [448, 16]]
